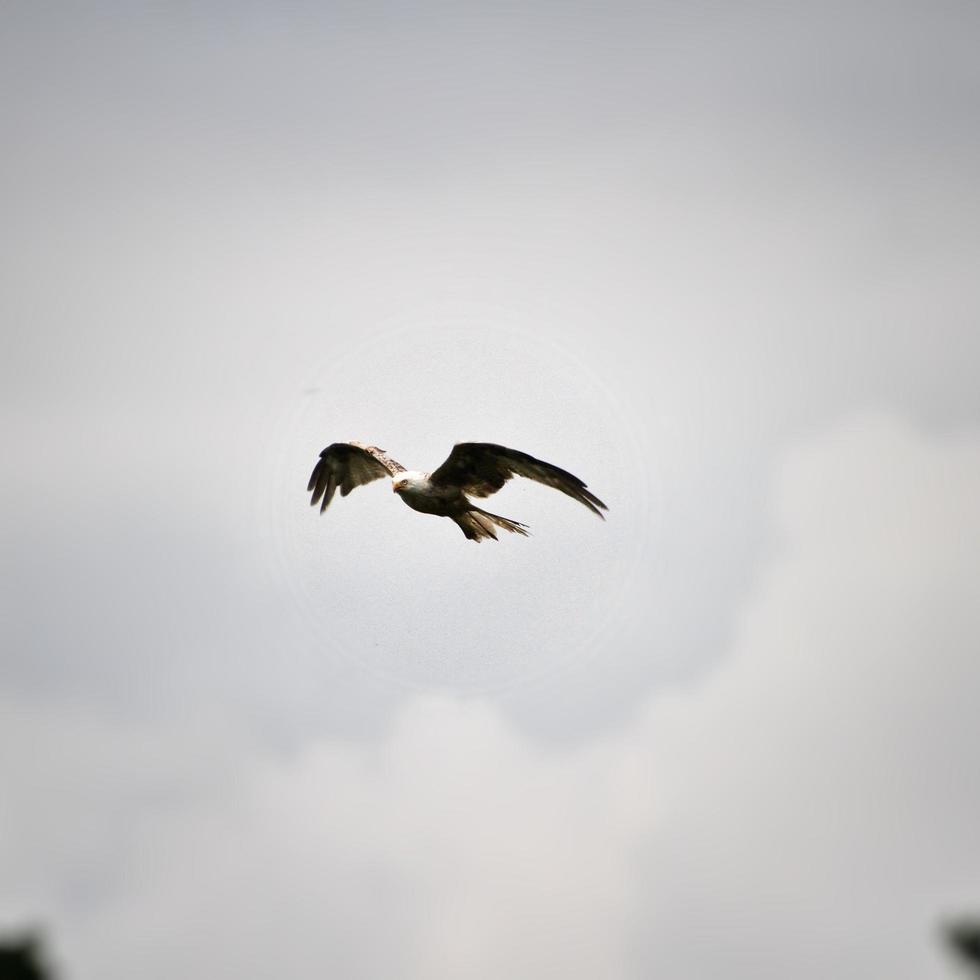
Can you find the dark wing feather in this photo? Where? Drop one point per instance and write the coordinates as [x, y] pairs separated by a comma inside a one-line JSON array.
[[348, 465], [482, 468]]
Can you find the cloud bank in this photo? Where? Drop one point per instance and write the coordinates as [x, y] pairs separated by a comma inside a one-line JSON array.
[[807, 810]]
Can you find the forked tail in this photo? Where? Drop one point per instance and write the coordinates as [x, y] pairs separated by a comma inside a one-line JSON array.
[[478, 524]]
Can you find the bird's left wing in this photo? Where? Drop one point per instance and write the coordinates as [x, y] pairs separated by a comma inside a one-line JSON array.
[[482, 468], [348, 465]]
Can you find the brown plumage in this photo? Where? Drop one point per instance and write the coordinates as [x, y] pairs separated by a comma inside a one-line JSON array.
[[348, 465], [476, 468], [482, 468]]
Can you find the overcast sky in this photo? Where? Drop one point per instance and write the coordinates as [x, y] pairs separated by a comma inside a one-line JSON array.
[[720, 261]]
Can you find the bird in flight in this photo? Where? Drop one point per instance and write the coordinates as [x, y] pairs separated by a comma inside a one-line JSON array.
[[475, 468]]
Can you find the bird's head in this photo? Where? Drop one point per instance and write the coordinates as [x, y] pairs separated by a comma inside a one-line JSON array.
[[406, 481]]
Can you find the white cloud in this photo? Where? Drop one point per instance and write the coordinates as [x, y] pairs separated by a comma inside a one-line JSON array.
[[810, 810], [824, 815]]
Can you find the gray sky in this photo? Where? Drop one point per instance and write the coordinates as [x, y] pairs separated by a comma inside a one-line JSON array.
[[719, 261]]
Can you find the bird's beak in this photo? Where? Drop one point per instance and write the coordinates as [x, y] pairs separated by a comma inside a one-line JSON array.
[[394, 488]]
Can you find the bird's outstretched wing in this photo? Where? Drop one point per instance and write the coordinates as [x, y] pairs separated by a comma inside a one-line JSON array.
[[348, 465], [482, 468]]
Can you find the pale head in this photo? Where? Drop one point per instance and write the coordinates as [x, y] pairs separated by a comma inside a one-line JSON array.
[[410, 480]]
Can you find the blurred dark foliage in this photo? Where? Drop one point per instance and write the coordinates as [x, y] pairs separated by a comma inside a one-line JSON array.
[[21, 958], [964, 939]]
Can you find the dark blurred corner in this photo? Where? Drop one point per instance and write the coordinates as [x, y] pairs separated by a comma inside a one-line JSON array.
[[22, 957], [963, 938]]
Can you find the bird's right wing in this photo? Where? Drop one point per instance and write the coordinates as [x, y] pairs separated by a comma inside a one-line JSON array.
[[348, 465], [482, 468]]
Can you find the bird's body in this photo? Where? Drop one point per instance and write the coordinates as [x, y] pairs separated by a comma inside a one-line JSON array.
[[416, 490], [476, 468]]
